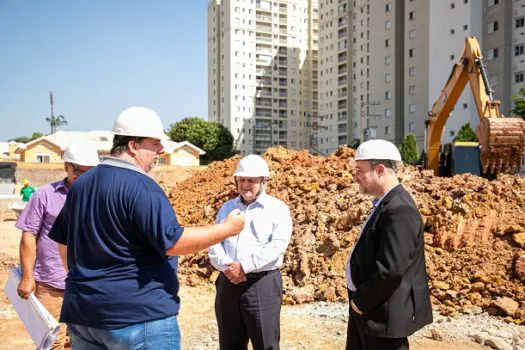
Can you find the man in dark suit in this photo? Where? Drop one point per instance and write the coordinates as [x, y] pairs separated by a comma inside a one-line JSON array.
[[386, 274]]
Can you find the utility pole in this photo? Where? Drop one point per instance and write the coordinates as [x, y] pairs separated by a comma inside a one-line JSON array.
[[363, 105]]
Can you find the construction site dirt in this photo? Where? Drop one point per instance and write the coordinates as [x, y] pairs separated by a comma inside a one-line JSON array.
[[474, 235]]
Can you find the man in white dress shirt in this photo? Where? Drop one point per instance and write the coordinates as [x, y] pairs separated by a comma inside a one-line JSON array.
[[249, 287]]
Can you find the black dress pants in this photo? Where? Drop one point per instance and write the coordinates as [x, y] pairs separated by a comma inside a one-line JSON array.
[[249, 310], [357, 339]]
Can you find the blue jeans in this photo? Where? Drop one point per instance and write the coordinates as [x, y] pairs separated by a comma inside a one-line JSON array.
[[161, 334]]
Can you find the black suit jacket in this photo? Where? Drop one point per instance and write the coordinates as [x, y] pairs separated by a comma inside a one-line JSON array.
[[388, 269]]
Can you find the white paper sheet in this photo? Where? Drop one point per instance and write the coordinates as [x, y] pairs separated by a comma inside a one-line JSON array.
[[42, 327]]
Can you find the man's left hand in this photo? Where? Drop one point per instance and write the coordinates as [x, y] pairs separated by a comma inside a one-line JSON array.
[[355, 308], [235, 273]]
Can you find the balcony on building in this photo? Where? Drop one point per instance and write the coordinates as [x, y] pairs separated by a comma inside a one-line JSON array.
[[341, 104], [342, 116], [342, 93], [262, 112], [263, 91], [283, 93], [342, 33], [342, 69], [283, 71], [283, 104], [283, 82], [342, 140], [341, 80], [283, 61], [263, 102], [262, 17], [283, 135], [263, 37], [283, 9], [263, 28], [342, 57], [341, 128], [263, 81], [342, 21], [283, 114], [263, 124]]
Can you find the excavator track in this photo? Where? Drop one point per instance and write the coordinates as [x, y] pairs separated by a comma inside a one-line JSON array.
[[502, 142]]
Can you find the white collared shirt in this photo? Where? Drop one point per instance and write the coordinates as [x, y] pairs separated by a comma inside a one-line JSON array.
[[375, 204], [261, 244]]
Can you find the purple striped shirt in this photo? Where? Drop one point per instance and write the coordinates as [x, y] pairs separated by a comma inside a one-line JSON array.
[[38, 218]]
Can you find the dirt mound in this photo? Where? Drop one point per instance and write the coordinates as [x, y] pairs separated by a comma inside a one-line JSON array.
[[474, 229]]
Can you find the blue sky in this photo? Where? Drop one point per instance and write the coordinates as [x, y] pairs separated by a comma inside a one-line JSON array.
[[100, 57]]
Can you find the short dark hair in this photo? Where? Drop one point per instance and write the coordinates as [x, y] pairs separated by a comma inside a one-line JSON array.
[[120, 144], [387, 163]]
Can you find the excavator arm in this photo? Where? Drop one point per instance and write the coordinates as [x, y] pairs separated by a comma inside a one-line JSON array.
[[502, 140]]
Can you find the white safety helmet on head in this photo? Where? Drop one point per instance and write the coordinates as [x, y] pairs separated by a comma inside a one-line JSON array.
[[252, 166], [139, 122], [81, 152], [377, 149]]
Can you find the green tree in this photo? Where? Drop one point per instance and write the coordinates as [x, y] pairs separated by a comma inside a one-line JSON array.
[[21, 139], [409, 150], [466, 134], [519, 103], [36, 135], [213, 138], [56, 122]]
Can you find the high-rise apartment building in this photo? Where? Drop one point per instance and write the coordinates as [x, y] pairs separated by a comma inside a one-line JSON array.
[[262, 72], [380, 67], [400, 55], [504, 48]]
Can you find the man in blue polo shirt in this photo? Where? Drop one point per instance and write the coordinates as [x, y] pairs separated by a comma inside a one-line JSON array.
[[120, 235]]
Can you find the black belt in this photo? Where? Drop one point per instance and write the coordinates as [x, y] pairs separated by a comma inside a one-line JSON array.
[[260, 274]]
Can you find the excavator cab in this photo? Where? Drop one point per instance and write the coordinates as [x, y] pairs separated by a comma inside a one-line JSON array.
[[501, 140]]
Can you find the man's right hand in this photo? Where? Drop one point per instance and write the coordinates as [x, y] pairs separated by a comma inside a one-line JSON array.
[[26, 287], [235, 221]]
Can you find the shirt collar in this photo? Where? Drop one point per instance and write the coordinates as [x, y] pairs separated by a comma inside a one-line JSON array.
[[120, 163], [377, 201], [262, 200], [61, 185]]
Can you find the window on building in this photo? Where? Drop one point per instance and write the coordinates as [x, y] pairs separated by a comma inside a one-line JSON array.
[[412, 108], [412, 71], [388, 77], [492, 53], [411, 52], [43, 158], [387, 8], [492, 27], [465, 105], [465, 27], [412, 34], [520, 22], [452, 57], [452, 6], [388, 113], [412, 90], [411, 15], [412, 127], [388, 95], [519, 49], [519, 77], [388, 130], [387, 43], [491, 3], [388, 25], [452, 31], [388, 60]]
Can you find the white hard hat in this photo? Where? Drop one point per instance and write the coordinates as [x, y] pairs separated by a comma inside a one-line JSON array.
[[139, 122], [82, 153], [377, 149], [252, 166]]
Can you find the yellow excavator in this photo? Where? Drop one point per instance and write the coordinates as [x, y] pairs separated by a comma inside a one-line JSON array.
[[501, 140]]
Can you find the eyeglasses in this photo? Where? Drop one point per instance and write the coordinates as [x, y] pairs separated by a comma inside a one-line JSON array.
[[76, 169]]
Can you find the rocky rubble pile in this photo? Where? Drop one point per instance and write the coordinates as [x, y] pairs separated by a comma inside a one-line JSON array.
[[475, 229]]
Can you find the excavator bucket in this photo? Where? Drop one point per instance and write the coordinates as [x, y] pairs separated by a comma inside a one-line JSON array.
[[502, 142]]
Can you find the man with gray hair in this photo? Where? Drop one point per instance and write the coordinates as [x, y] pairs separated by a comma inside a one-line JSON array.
[[386, 274]]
